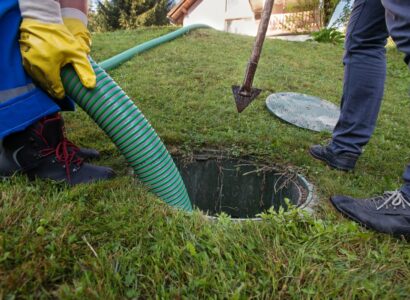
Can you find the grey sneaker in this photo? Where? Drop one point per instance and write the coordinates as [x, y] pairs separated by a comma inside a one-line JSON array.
[[389, 213]]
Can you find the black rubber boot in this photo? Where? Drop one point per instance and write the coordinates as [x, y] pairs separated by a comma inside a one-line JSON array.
[[88, 154], [43, 151]]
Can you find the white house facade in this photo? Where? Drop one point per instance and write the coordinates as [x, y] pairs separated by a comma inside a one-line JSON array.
[[243, 16]]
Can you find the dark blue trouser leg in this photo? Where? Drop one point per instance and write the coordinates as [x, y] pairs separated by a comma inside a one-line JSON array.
[[365, 73], [398, 23]]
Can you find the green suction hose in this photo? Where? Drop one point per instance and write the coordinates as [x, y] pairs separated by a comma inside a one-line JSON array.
[[123, 122], [118, 59]]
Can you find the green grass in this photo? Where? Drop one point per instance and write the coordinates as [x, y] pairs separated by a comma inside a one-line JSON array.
[[115, 240]]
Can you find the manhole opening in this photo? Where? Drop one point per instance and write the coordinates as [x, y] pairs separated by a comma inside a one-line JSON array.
[[238, 187]]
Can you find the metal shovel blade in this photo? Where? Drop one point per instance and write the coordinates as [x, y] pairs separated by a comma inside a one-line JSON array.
[[243, 99]]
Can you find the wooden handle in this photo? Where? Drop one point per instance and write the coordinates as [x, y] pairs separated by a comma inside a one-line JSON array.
[[257, 47]]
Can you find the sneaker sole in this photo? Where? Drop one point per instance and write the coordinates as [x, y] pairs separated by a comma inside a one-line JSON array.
[[330, 164]]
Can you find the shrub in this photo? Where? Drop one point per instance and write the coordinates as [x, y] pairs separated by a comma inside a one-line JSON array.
[[328, 35]]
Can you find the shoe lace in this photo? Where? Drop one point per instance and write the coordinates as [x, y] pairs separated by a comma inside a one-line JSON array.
[[66, 154], [65, 151], [394, 198]]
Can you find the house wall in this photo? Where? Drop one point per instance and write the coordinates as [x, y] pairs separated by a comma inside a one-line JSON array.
[[238, 9], [236, 16], [240, 18], [209, 12], [246, 26]]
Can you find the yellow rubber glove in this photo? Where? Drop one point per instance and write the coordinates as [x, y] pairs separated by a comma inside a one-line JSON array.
[[48, 47], [80, 32]]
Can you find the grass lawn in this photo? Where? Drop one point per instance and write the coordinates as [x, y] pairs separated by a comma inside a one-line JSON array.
[[114, 239]]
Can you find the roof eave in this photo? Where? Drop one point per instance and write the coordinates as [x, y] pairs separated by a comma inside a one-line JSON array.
[[177, 13]]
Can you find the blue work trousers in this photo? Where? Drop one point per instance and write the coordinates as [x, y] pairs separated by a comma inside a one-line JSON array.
[[21, 102], [371, 22]]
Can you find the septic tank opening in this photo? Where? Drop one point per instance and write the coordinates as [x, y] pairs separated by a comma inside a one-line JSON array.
[[239, 187]]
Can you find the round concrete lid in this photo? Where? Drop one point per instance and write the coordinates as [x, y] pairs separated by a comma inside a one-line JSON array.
[[304, 111]]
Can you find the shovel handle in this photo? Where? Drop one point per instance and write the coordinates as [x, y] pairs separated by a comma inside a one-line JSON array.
[[257, 47]]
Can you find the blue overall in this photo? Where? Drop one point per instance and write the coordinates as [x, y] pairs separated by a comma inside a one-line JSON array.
[[371, 22], [21, 103]]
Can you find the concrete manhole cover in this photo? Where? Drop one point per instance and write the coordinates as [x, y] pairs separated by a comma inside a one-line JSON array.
[[304, 111]]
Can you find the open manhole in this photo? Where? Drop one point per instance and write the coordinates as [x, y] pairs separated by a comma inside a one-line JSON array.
[[239, 187]]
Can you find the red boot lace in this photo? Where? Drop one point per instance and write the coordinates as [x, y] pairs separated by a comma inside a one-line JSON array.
[[66, 154], [65, 151]]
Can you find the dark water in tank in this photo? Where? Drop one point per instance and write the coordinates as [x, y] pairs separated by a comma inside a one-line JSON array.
[[217, 185]]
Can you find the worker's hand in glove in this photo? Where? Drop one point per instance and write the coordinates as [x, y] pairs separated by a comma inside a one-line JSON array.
[[80, 32], [47, 46]]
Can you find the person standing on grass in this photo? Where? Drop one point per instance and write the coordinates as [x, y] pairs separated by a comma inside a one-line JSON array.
[[38, 38], [371, 22]]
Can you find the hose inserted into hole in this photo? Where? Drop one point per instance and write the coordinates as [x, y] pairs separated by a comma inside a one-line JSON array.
[[116, 114]]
